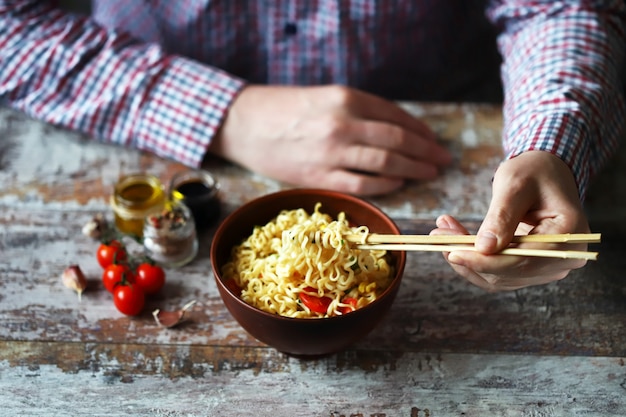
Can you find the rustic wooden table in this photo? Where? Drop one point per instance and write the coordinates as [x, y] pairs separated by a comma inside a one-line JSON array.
[[445, 349]]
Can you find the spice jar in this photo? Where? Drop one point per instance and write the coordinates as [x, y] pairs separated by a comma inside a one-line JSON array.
[[135, 197], [198, 189], [169, 237]]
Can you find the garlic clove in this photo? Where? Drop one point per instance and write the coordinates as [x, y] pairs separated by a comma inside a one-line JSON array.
[[171, 318], [74, 278], [97, 227]]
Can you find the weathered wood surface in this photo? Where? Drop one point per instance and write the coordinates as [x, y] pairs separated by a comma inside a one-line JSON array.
[[445, 349]]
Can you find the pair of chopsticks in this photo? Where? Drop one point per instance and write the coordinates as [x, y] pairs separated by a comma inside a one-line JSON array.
[[448, 243]]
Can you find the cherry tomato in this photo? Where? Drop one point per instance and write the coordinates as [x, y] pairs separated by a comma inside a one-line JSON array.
[[315, 303], [351, 305], [115, 274], [150, 277], [110, 252], [129, 298]]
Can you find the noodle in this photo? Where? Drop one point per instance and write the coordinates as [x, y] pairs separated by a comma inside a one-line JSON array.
[[298, 255]]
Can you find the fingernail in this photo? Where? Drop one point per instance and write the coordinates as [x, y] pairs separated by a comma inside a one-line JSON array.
[[485, 242], [442, 222]]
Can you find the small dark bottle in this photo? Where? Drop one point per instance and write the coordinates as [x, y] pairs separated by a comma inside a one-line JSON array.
[[199, 190]]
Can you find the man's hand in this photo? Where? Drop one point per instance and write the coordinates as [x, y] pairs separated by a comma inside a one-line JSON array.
[[533, 193], [331, 137]]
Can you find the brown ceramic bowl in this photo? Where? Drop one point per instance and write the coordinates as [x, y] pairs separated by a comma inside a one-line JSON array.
[[296, 336]]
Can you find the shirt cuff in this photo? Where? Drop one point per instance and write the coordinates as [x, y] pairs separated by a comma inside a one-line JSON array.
[[184, 109], [560, 135]]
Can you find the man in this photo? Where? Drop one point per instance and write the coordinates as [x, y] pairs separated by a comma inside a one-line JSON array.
[[294, 90]]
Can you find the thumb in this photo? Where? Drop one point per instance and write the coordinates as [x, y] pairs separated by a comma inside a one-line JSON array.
[[508, 207]]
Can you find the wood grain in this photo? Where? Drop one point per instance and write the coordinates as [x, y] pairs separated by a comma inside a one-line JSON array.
[[165, 380], [446, 348]]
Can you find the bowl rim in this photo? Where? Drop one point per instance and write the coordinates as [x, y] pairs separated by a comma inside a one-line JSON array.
[[399, 255]]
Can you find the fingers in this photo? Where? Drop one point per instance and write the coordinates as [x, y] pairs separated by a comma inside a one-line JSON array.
[[385, 163], [383, 149], [448, 225], [499, 272], [500, 223], [380, 125], [371, 107], [515, 273], [446, 221], [504, 273], [398, 139], [512, 200], [473, 261], [356, 183]]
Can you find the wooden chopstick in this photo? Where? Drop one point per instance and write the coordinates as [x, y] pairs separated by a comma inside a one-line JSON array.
[[544, 253], [469, 239]]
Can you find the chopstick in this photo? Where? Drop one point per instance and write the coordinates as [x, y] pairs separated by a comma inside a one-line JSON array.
[[455, 239], [544, 253], [449, 243]]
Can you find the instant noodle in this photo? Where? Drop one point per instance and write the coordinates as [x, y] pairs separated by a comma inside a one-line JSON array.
[[298, 265]]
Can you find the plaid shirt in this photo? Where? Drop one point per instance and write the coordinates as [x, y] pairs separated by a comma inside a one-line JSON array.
[[160, 75]]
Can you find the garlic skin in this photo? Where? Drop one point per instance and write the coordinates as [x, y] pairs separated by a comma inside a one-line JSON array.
[[74, 279], [170, 319]]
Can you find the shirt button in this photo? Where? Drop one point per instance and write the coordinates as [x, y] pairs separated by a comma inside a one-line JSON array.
[[290, 29]]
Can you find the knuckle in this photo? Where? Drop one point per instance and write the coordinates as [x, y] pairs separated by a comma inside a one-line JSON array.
[[493, 283], [394, 136], [334, 128], [353, 187], [357, 185], [381, 160], [339, 95]]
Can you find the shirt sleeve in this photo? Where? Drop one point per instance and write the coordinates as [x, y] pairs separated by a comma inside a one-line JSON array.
[[562, 68], [67, 70]]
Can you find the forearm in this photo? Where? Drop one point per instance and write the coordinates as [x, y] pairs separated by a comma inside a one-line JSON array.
[[563, 63], [69, 71]]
